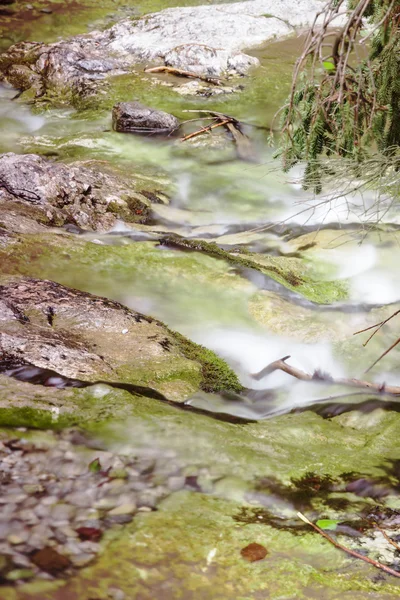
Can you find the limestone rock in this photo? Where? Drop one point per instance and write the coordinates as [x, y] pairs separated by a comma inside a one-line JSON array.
[[56, 194], [208, 40]]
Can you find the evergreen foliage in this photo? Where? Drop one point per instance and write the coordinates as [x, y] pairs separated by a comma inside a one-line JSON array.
[[347, 102]]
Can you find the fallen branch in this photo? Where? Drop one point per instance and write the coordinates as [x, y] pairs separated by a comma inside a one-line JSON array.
[[182, 73], [371, 561], [281, 365], [203, 130]]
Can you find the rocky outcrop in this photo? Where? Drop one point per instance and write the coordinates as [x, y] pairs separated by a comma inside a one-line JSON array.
[[133, 117], [87, 339], [207, 40], [50, 193]]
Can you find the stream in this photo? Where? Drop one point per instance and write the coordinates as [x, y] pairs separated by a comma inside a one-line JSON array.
[[298, 276]]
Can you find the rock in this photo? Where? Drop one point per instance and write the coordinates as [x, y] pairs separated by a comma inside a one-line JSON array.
[[124, 509], [83, 344], [56, 194], [207, 40], [133, 117]]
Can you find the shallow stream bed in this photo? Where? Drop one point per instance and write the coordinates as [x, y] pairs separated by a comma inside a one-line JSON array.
[[114, 491]]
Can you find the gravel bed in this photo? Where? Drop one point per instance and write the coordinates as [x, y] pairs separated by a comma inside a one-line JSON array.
[[58, 496]]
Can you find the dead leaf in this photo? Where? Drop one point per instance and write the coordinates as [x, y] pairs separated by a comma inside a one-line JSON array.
[[254, 552]]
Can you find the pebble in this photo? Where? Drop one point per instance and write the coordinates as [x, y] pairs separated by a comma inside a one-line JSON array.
[[18, 538], [55, 509], [124, 509]]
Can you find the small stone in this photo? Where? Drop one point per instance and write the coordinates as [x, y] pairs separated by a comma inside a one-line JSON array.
[[116, 594], [4, 530], [81, 560], [82, 499], [28, 516], [33, 488], [124, 509], [176, 483], [117, 520], [62, 513], [20, 560], [106, 503], [18, 538]]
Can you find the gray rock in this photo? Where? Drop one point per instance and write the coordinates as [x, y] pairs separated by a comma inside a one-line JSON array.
[[55, 194], [133, 117], [205, 39]]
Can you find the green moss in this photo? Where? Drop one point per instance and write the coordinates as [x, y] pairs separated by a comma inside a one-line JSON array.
[[291, 272], [33, 418], [216, 375]]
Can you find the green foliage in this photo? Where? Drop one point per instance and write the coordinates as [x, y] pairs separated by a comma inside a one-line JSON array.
[[341, 104]]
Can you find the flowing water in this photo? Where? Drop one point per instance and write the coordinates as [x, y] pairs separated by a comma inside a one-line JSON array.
[[245, 316]]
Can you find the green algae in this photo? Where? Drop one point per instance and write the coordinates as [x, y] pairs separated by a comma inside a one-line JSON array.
[[89, 266], [191, 544]]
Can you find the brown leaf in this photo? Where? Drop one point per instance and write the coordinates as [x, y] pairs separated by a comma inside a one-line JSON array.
[[49, 560], [254, 552], [93, 534]]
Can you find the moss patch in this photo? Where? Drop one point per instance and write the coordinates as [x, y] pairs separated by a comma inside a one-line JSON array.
[[216, 375]]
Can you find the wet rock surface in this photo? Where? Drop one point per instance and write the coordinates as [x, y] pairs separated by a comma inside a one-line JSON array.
[[133, 117], [83, 336], [59, 494], [36, 190], [183, 38]]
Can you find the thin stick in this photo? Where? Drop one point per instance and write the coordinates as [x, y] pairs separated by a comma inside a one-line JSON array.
[[375, 563], [182, 73], [203, 130], [378, 326], [384, 354], [280, 365], [387, 538]]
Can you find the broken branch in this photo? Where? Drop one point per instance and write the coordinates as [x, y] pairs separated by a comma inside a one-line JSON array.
[[281, 365], [182, 73], [203, 130]]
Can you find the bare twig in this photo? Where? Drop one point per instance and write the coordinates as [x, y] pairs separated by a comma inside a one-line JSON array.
[[384, 354], [330, 539], [204, 130], [281, 365], [378, 327], [183, 73], [387, 538]]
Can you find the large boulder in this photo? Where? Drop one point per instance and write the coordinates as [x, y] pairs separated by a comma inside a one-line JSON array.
[[36, 189], [133, 117], [84, 338], [208, 40]]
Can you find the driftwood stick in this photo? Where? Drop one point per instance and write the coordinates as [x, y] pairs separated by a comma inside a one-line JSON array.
[[330, 539], [183, 73], [281, 365], [203, 130]]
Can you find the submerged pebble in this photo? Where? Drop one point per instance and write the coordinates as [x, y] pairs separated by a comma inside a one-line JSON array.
[[56, 505]]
